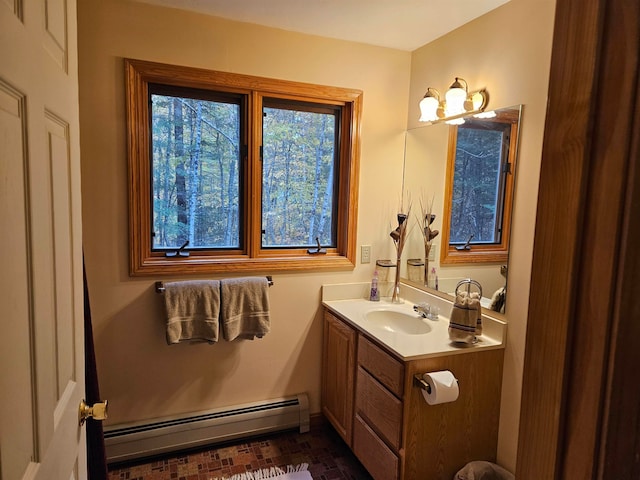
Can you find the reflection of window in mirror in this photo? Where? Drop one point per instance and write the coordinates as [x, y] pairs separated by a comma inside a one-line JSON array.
[[479, 189]]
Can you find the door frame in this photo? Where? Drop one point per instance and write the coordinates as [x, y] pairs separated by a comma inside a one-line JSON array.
[[578, 417]]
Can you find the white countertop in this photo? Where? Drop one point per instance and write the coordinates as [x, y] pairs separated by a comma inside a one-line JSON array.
[[349, 302]]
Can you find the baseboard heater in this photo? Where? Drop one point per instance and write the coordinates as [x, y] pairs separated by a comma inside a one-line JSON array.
[[143, 439]]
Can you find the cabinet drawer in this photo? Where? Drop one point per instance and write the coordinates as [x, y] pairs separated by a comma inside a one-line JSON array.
[[376, 457], [386, 369], [382, 410]]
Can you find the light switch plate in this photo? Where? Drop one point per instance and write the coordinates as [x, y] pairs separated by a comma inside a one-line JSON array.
[[365, 254], [432, 252]]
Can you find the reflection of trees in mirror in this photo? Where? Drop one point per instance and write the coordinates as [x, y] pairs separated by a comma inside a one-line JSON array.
[[479, 182], [479, 189]]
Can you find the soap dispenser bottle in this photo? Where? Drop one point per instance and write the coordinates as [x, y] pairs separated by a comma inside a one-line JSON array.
[[432, 281], [374, 296]]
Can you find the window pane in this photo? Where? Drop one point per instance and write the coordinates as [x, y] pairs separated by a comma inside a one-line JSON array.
[[299, 165], [195, 172], [477, 186]]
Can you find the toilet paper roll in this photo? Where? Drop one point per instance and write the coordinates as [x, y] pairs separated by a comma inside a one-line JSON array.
[[444, 387]]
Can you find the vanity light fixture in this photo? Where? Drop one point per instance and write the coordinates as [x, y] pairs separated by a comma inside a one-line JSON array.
[[457, 103]]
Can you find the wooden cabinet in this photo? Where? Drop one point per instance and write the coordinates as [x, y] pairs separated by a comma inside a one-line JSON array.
[[338, 370], [389, 426]]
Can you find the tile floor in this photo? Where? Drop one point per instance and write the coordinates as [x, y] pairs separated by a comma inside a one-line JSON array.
[[327, 455]]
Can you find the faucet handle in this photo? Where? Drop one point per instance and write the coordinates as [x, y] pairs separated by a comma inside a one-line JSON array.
[[427, 310], [423, 309]]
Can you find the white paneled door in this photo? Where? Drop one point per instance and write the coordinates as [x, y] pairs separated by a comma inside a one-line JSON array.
[[42, 356]]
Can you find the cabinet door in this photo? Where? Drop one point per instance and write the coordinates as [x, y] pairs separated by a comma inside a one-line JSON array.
[[338, 370]]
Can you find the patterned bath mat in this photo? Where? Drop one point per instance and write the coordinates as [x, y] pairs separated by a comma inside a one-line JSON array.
[[290, 472]]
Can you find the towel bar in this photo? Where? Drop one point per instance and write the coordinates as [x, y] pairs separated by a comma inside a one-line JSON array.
[[468, 282], [160, 285]]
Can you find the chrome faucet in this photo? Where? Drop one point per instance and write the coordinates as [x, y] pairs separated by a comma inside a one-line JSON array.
[[426, 310], [423, 309]]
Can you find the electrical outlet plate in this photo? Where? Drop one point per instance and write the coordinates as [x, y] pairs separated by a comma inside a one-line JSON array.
[[365, 254], [432, 253]]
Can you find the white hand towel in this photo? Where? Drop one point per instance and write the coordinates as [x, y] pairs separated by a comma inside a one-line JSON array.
[[193, 308], [244, 307]]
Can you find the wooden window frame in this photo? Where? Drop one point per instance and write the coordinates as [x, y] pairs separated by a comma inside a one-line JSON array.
[[480, 253], [144, 261]]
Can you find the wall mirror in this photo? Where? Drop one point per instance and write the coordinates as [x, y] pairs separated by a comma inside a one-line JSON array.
[[465, 174]]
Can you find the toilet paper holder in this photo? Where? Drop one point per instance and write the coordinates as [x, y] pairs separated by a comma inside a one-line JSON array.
[[418, 381]]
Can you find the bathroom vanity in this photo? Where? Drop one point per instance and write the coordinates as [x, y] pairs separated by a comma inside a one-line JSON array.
[[370, 395]]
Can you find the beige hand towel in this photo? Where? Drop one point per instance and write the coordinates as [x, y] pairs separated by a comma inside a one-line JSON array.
[[245, 308], [193, 308], [466, 320]]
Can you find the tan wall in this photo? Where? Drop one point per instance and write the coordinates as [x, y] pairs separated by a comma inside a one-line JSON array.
[[140, 375], [508, 51]]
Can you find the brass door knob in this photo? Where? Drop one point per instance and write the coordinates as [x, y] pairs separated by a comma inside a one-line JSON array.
[[98, 411]]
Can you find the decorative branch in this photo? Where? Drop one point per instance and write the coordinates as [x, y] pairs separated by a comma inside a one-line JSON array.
[[399, 236], [428, 234], [428, 217], [400, 233]]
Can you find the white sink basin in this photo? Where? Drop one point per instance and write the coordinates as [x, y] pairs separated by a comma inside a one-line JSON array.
[[397, 322]]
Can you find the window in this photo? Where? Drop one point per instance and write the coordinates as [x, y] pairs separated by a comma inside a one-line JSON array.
[[298, 187], [236, 173], [195, 165], [479, 189]]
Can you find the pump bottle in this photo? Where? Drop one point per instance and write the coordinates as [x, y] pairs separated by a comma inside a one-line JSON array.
[[374, 296]]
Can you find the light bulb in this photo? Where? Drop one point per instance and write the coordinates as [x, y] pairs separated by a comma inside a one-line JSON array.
[[455, 98], [478, 100], [428, 109]]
